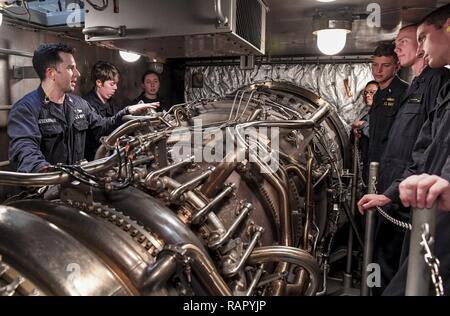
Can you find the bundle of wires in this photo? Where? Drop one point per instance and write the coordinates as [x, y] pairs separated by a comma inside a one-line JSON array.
[[80, 174]]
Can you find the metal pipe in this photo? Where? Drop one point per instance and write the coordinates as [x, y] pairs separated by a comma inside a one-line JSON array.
[[418, 276], [204, 269], [224, 237], [254, 115], [221, 18], [369, 230], [190, 196], [297, 287], [216, 180], [197, 218], [308, 202], [255, 281], [285, 219], [14, 52], [248, 251], [123, 129], [285, 227], [150, 180], [188, 186], [290, 255], [317, 118], [57, 177], [297, 170], [156, 276], [193, 198]]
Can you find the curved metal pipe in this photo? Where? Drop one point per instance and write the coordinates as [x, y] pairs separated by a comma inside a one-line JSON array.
[[213, 220], [204, 269], [197, 217], [221, 18], [123, 129], [297, 170], [216, 180], [229, 272], [220, 240], [157, 275], [318, 117], [175, 195], [152, 177], [49, 178], [290, 255]]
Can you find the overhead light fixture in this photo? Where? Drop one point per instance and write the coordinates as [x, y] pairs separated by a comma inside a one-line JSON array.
[[331, 31], [1, 18], [129, 57], [326, 0]]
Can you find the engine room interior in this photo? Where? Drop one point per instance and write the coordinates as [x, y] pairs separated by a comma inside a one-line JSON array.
[[245, 148]]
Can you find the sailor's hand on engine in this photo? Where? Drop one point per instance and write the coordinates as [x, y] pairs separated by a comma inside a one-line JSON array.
[[369, 201], [424, 190], [139, 108]]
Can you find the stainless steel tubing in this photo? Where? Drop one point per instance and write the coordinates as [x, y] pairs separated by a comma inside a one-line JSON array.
[[176, 194], [153, 176], [205, 270], [201, 213], [220, 240], [248, 251], [290, 255]]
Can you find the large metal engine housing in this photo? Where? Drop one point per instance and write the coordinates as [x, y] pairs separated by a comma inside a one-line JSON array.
[[238, 196]]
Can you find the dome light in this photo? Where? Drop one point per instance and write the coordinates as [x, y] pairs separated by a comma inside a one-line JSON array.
[[129, 57], [331, 41], [331, 29]]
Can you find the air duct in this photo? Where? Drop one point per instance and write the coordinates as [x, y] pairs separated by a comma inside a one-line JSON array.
[[179, 28]]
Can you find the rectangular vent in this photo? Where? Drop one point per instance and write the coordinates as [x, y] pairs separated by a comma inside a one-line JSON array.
[[249, 20]]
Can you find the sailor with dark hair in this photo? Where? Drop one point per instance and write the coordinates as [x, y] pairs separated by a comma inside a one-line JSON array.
[[48, 125], [105, 77], [385, 65], [151, 83]]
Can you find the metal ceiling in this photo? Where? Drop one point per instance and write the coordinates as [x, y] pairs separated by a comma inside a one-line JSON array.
[[289, 24]]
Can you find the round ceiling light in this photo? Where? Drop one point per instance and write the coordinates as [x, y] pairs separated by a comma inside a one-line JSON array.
[[129, 57], [331, 41]]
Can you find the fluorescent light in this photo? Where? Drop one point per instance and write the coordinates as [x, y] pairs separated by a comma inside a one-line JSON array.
[[1, 18], [129, 57], [326, 0], [331, 41]]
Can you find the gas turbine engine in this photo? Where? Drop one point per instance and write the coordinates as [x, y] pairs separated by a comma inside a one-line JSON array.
[[238, 196]]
